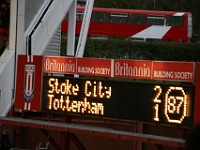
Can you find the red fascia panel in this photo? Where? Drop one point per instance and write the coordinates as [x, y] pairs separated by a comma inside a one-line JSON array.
[[106, 132], [197, 96]]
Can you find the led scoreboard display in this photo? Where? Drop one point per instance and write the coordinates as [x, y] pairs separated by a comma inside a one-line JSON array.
[[161, 103]]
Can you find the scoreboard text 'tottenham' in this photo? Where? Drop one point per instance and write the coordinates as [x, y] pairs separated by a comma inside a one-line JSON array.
[[146, 102]]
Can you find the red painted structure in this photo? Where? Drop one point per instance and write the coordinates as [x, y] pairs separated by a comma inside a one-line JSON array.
[[136, 24], [78, 128], [197, 96]]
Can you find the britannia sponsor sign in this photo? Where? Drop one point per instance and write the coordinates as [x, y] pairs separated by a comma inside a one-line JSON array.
[[64, 65], [30, 73], [178, 71], [133, 69], [94, 67], [118, 68]]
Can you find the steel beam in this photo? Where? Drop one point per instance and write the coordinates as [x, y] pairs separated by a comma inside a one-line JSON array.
[[84, 129]]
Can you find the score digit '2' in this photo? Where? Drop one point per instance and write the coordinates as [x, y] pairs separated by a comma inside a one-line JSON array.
[[175, 104]]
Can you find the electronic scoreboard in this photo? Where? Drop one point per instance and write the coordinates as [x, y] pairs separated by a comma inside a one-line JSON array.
[[170, 104]]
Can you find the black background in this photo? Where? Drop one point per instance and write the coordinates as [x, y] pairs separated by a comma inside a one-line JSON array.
[[129, 100]]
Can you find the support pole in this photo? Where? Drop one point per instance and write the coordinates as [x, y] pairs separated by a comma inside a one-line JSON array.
[[84, 29], [71, 29], [77, 142], [50, 139], [65, 136]]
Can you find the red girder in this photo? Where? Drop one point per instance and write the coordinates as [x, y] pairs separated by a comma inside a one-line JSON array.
[[85, 129]]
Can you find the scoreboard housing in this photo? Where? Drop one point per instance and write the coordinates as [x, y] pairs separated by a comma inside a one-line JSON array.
[[170, 104]]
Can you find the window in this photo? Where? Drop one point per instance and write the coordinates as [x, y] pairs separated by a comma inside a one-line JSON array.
[[155, 20], [174, 21], [100, 17], [118, 18], [79, 16], [137, 19]]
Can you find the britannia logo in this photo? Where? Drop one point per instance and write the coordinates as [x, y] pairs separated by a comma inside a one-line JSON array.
[[29, 81]]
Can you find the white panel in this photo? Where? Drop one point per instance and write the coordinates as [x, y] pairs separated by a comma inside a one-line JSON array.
[[7, 63], [31, 8], [39, 38], [84, 29], [13, 18], [71, 30], [6, 81], [20, 34], [49, 25], [179, 14], [153, 32]]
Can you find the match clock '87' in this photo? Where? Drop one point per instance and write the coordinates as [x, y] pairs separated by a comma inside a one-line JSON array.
[[175, 104]]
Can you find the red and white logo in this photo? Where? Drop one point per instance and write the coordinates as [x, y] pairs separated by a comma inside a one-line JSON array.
[[29, 81]]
